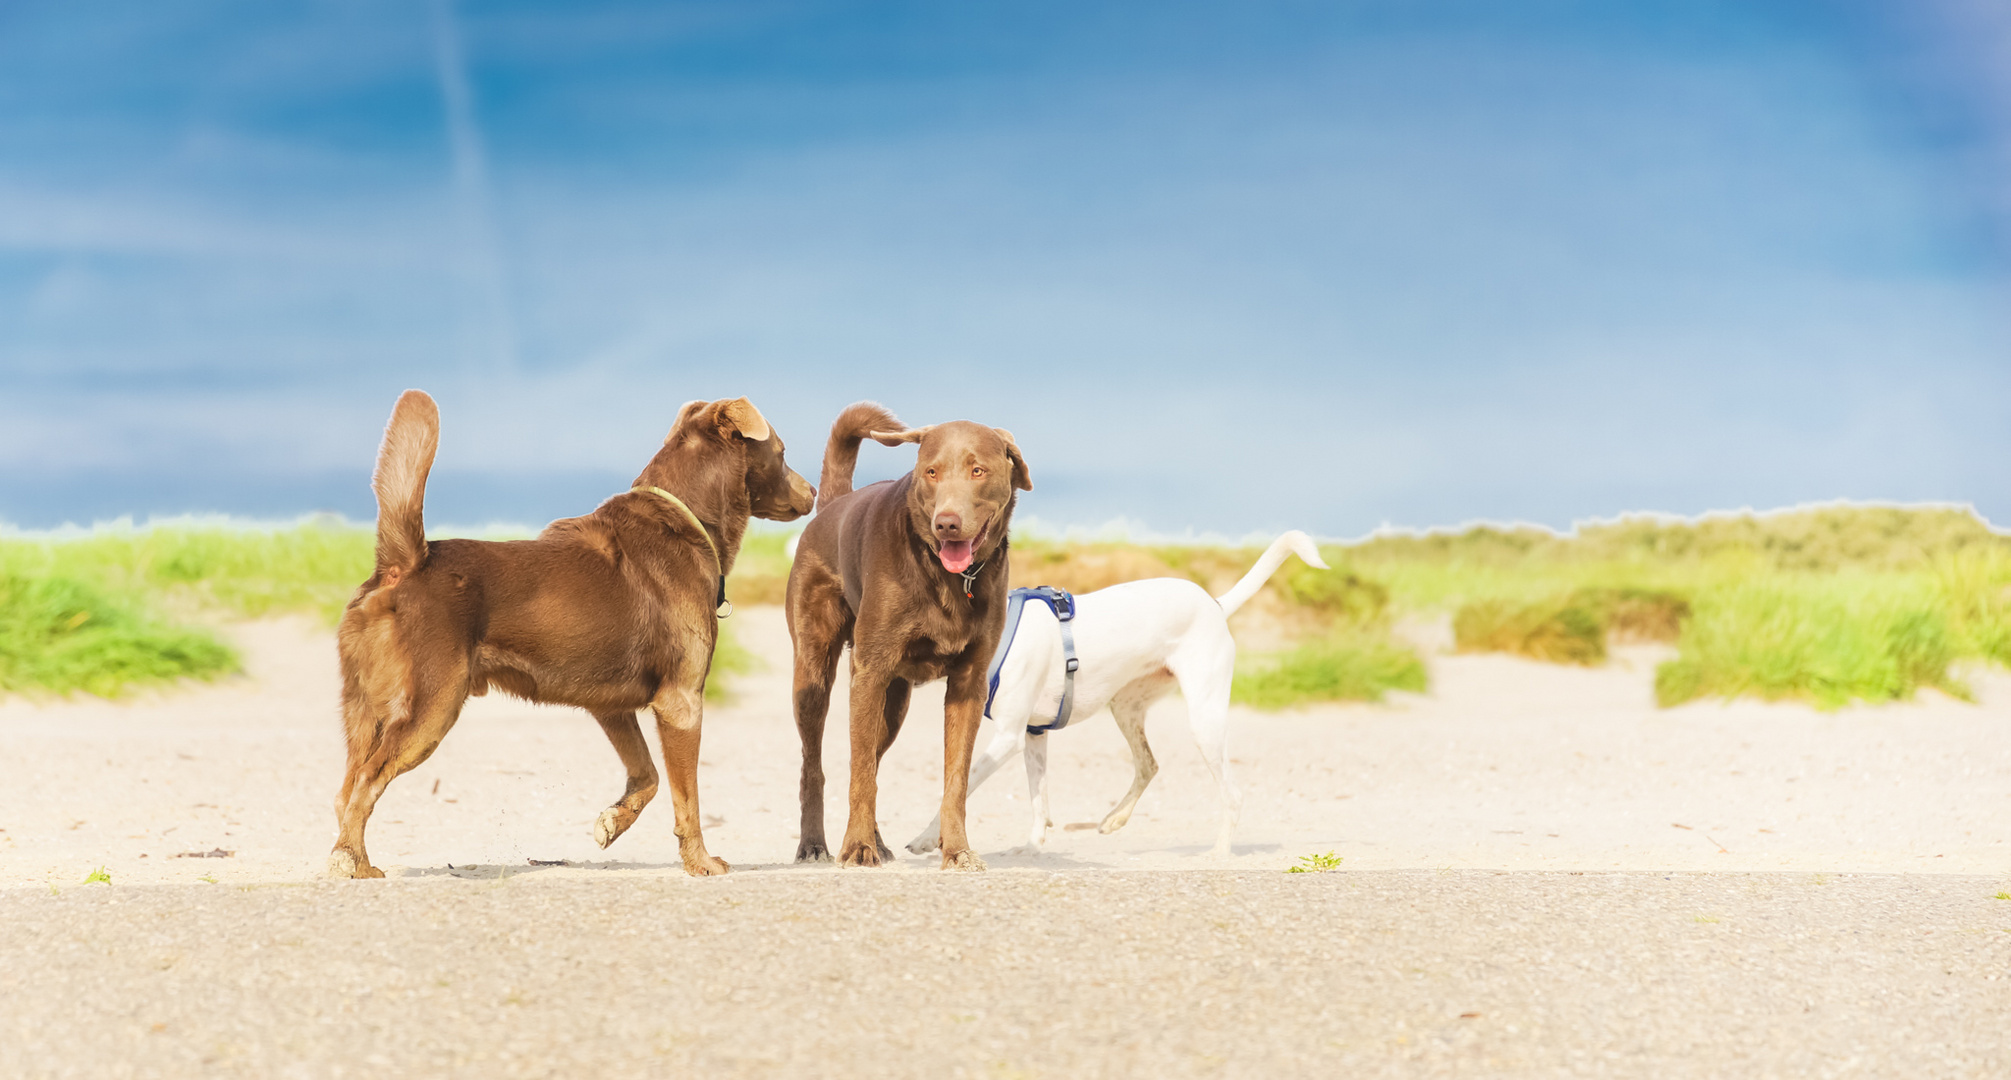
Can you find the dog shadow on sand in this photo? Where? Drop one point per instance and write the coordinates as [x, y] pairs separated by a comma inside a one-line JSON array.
[[1011, 859]]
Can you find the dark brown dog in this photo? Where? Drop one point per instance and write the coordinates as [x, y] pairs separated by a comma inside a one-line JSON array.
[[912, 573], [610, 612]]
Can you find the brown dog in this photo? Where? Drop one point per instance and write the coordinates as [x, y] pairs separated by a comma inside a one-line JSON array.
[[610, 612], [912, 573]]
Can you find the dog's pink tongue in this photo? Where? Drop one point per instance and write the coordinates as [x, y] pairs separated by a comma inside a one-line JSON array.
[[956, 555]]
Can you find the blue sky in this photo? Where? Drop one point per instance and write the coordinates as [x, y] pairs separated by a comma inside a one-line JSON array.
[[1220, 267]]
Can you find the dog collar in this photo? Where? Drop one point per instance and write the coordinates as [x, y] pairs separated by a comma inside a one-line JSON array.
[[725, 607], [970, 578]]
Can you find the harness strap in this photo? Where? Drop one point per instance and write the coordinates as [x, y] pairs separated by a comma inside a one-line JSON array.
[[1063, 606], [725, 607]]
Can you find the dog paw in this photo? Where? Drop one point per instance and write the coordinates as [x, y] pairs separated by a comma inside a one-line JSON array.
[[1112, 823], [922, 845], [706, 866], [343, 865], [886, 853], [860, 853], [613, 822], [809, 851], [963, 860]]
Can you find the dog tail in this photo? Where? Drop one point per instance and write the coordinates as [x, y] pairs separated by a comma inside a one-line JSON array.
[[1274, 556], [410, 440], [841, 454]]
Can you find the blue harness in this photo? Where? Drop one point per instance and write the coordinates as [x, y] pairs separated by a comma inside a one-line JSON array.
[[1063, 606]]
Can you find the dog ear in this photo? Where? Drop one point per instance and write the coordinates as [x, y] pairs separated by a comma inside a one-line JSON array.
[[684, 415], [896, 438], [740, 416], [1021, 478]]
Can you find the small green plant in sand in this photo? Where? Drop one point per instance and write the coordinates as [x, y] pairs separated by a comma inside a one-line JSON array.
[[1316, 864], [98, 877], [2002, 896]]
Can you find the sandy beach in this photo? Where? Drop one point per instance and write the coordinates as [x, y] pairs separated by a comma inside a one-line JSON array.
[[1506, 764], [1542, 875]]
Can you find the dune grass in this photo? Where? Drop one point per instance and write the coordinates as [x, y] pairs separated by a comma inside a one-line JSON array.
[[1828, 605], [1354, 665], [1828, 641], [59, 635], [309, 568], [1572, 628], [98, 612]]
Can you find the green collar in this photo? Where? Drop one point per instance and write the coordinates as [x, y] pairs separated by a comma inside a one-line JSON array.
[[725, 607]]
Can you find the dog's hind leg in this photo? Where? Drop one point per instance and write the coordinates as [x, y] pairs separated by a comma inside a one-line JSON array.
[[1128, 709], [1205, 685], [625, 732], [819, 643], [895, 713], [405, 743], [1036, 793]]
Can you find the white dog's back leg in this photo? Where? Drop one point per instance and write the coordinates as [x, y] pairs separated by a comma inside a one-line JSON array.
[[1001, 749], [1205, 685], [1036, 792], [1128, 709]]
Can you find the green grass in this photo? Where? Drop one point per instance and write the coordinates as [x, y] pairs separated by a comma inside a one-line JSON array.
[[1827, 640], [761, 571], [313, 567], [1343, 666], [729, 658], [1828, 605], [92, 613], [59, 635], [98, 877], [1572, 628]]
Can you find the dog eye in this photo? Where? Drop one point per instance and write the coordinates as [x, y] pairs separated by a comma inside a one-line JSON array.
[[932, 474], [977, 471]]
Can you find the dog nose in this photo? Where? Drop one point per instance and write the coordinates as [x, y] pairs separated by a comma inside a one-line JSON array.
[[949, 525]]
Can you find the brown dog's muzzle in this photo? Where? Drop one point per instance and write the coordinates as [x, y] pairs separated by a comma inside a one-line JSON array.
[[956, 544]]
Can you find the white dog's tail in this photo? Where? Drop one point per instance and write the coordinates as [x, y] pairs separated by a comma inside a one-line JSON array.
[[1274, 556]]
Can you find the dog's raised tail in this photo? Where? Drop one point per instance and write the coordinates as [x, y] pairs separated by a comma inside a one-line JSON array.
[[410, 440], [841, 454], [1293, 542]]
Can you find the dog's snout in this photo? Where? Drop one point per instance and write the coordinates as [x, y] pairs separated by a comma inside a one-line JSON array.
[[949, 525]]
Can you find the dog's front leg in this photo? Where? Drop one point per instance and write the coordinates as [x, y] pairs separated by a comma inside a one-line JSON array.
[[870, 682], [963, 708], [1001, 750], [679, 714]]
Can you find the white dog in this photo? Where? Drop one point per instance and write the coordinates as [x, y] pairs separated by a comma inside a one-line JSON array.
[[1134, 642]]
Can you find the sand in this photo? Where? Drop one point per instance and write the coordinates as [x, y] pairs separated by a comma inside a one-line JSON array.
[[1506, 764], [1541, 875]]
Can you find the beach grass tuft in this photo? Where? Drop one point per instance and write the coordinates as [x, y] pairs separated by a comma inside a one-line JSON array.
[[1346, 665], [59, 635], [1827, 641]]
